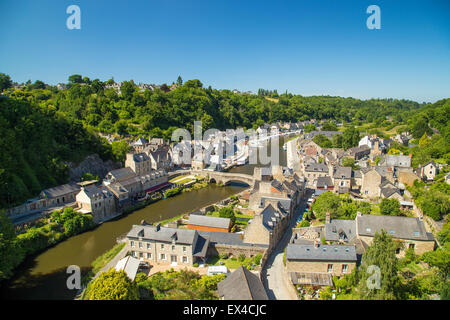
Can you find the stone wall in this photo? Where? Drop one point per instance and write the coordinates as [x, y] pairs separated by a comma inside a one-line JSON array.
[[92, 164]]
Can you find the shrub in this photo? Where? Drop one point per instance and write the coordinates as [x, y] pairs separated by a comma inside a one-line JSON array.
[[241, 257], [304, 223], [195, 265], [257, 259]]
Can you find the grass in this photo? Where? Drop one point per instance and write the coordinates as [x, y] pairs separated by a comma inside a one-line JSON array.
[[102, 260], [166, 221], [230, 263]]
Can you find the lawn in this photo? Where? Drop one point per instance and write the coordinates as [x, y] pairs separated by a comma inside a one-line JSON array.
[[101, 261], [230, 263]]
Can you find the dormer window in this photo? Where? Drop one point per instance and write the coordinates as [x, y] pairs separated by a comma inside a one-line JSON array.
[[368, 230]]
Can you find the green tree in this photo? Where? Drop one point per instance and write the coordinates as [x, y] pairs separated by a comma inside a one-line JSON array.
[[326, 202], [390, 207], [120, 149], [227, 212], [10, 252], [5, 82], [75, 78], [112, 285], [381, 254], [179, 81], [350, 138]]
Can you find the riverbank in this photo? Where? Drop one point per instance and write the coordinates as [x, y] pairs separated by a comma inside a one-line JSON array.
[[43, 276]]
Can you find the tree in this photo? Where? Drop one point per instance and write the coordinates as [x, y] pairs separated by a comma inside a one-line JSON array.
[[127, 89], [380, 254], [179, 81], [75, 78], [112, 285], [329, 126], [309, 127], [120, 149], [390, 207], [10, 252], [322, 141], [5, 82], [350, 137], [227, 212], [193, 84], [326, 202]]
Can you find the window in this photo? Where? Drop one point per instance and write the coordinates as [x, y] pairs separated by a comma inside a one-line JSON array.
[[148, 245], [412, 245], [330, 268], [344, 268], [162, 246], [397, 251], [162, 256], [391, 231], [173, 248], [140, 245], [368, 230], [132, 244], [141, 254], [149, 255], [185, 259], [184, 249]]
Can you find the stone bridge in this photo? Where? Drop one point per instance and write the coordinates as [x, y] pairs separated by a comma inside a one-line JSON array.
[[225, 177]]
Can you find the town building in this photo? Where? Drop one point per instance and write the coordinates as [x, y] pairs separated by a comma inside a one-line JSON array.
[[99, 202], [241, 284], [208, 223]]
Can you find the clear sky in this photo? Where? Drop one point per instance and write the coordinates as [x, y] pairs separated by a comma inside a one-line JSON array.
[[308, 47]]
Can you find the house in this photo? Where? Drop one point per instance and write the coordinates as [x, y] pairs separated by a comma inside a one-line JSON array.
[[161, 158], [166, 246], [373, 178], [129, 265], [139, 145], [342, 178], [410, 231], [208, 223], [428, 171], [359, 152], [126, 179], [314, 170], [241, 284], [266, 227], [394, 160], [324, 183], [336, 260], [99, 202], [140, 163], [60, 194]]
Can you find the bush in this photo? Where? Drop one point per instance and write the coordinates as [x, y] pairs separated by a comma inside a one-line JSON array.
[[304, 223], [257, 259], [241, 257], [195, 265]]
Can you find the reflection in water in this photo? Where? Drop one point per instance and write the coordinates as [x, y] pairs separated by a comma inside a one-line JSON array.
[[44, 276]]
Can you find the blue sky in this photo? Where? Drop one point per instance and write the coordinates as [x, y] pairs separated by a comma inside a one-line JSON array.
[[308, 47]]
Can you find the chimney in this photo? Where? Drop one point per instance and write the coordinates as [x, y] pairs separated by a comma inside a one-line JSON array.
[[328, 217]]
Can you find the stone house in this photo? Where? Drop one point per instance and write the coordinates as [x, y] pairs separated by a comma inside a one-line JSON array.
[[140, 163], [126, 178], [266, 227], [166, 246], [99, 202], [410, 232], [60, 195], [161, 158], [139, 145], [372, 180], [342, 179], [336, 260], [428, 171]]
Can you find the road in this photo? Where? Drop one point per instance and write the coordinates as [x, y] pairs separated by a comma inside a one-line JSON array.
[[277, 284]]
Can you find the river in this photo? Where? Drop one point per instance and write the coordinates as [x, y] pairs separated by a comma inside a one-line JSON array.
[[43, 276]]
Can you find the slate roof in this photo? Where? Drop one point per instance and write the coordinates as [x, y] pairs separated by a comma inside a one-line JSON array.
[[242, 285], [62, 190], [342, 173], [130, 265], [316, 167], [122, 173], [387, 192], [271, 217], [140, 157], [93, 191], [398, 160], [339, 227], [233, 239], [208, 221], [398, 227], [181, 236], [320, 253], [324, 181]]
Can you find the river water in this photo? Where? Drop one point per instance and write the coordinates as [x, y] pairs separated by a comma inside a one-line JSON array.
[[44, 275]]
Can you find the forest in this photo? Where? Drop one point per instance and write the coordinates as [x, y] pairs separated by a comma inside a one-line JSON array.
[[42, 128]]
